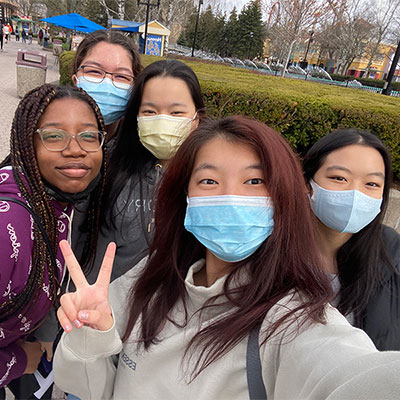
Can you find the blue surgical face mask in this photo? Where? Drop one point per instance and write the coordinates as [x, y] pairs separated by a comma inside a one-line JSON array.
[[111, 100], [343, 210], [231, 227]]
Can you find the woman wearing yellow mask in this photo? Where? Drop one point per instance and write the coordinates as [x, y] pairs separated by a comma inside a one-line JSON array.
[[165, 106]]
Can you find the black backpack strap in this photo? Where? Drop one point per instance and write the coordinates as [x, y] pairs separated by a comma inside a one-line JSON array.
[[38, 223], [255, 381]]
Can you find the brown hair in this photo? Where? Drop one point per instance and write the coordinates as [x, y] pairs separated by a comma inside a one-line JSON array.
[[112, 37]]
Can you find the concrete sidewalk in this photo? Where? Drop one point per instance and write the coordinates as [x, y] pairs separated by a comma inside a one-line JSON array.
[[8, 85]]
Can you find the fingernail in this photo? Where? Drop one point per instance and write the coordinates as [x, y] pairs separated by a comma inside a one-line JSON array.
[[83, 315], [77, 323], [67, 328]]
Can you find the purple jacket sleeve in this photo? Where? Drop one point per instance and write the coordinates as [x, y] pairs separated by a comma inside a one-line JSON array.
[[15, 254]]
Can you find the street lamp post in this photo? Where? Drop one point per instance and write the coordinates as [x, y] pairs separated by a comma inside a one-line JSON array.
[[386, 87], [195, 28], [251, 44], [148, 4], [308, 45]]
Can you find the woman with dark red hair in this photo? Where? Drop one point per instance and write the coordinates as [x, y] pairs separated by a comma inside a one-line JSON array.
[[231, 302]]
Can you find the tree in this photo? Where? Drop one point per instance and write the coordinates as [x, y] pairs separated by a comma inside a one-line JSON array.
[[383, 19], [250, 31], [296, 17]]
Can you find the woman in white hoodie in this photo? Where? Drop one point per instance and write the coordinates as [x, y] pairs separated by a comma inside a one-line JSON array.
[[233, 262]]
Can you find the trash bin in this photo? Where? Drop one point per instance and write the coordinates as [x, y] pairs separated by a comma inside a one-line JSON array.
[[31, 70]]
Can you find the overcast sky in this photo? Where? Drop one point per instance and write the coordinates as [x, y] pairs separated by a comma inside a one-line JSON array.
[[227, 5]]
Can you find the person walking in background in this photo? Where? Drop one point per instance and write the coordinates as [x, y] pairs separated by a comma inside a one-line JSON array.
[[6, 32], [16, 34], [23, 35], [30, 35], [1, 37], [40, 37]]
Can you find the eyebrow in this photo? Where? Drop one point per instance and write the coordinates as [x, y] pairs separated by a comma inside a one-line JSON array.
[[96, 64], [150, 104], [377, 173], [213, 167], [56, 124]]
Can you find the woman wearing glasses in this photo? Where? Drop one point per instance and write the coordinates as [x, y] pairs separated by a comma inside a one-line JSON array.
[[106, 64], [56, 160]]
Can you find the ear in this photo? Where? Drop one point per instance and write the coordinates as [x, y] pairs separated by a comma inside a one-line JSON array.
[[74, 79]]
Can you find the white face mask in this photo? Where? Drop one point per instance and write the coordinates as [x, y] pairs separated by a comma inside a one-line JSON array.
[[163, 134]]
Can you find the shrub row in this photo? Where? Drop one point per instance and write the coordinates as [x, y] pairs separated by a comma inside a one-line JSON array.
[[365, 81], [302, 111]]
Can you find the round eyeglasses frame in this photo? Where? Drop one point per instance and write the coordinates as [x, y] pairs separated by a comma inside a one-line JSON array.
[[77, 137], [119, 85]]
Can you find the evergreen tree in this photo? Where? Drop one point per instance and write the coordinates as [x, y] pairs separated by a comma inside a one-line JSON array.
[[250, 31], [231, 36]]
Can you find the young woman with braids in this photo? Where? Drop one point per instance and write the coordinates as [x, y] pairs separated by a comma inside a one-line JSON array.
[[231, 302], [349, 172], [56, 160]]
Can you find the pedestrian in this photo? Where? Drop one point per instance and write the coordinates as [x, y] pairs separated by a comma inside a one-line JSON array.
[[56, 160], [30, 35], [166, 105], [231, 301], [23, 35], [40, 37], [46, 38], [115, 60], [1, 37], [350, 172], [17, 34], [6, 32]]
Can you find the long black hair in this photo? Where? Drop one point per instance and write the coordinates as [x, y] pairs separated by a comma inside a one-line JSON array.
[[129, 157], [26, 172], [359, 259]]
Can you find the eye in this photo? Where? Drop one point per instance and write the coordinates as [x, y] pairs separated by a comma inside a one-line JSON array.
[[374, 184], [177, 113], [148, 112], [93, 72], [123, 78], [89, 136], [254, 181], [338, 178], [53, 136], [208, 181]]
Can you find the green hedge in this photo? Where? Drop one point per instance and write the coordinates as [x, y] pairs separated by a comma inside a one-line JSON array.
[[365, 81], [302, 111]]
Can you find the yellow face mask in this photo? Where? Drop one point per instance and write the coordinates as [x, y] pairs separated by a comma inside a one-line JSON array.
[[163, 134]]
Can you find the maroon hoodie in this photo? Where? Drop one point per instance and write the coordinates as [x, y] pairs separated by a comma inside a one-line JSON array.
[[16, 248]]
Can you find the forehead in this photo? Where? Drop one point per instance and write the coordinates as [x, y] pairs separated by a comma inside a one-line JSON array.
[[109, 56], [67, 110], [167, 90], [229, 153], [358, 158]]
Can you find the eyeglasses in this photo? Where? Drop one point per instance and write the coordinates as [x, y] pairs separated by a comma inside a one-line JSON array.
[[97, 75], [59, 140]]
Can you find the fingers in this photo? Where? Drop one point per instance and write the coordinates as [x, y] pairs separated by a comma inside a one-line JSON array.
[[96, 319], [106, 267], [68, 314], [73, 266]]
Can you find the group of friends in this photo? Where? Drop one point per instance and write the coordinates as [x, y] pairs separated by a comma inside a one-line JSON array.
[[189, 257]]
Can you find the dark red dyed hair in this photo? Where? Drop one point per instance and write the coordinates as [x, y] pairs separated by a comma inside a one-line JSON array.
[[287, 261]]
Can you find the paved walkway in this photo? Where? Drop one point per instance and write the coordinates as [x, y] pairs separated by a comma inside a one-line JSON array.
[[8, 85]]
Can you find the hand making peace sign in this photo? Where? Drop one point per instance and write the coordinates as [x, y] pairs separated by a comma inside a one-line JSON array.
[[89, 304]]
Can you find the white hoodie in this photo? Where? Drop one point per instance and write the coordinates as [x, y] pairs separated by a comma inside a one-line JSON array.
[[331, 361]]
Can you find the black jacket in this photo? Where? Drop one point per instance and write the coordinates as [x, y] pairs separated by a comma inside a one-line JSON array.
[[381, 318]]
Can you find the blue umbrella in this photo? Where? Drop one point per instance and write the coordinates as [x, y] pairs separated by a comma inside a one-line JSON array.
[[74, 21]]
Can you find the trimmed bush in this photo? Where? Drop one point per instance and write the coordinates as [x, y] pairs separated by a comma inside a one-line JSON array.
[[302, 111], [365, 81]]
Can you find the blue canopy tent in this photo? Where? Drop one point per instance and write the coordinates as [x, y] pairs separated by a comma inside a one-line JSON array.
[[74, 21]]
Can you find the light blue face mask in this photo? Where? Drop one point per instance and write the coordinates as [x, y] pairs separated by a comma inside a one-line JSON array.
[[343, 210], [111, 100], [231, 227]]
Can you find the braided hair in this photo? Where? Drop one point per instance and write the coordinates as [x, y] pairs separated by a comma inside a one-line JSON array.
[[26, 173]]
